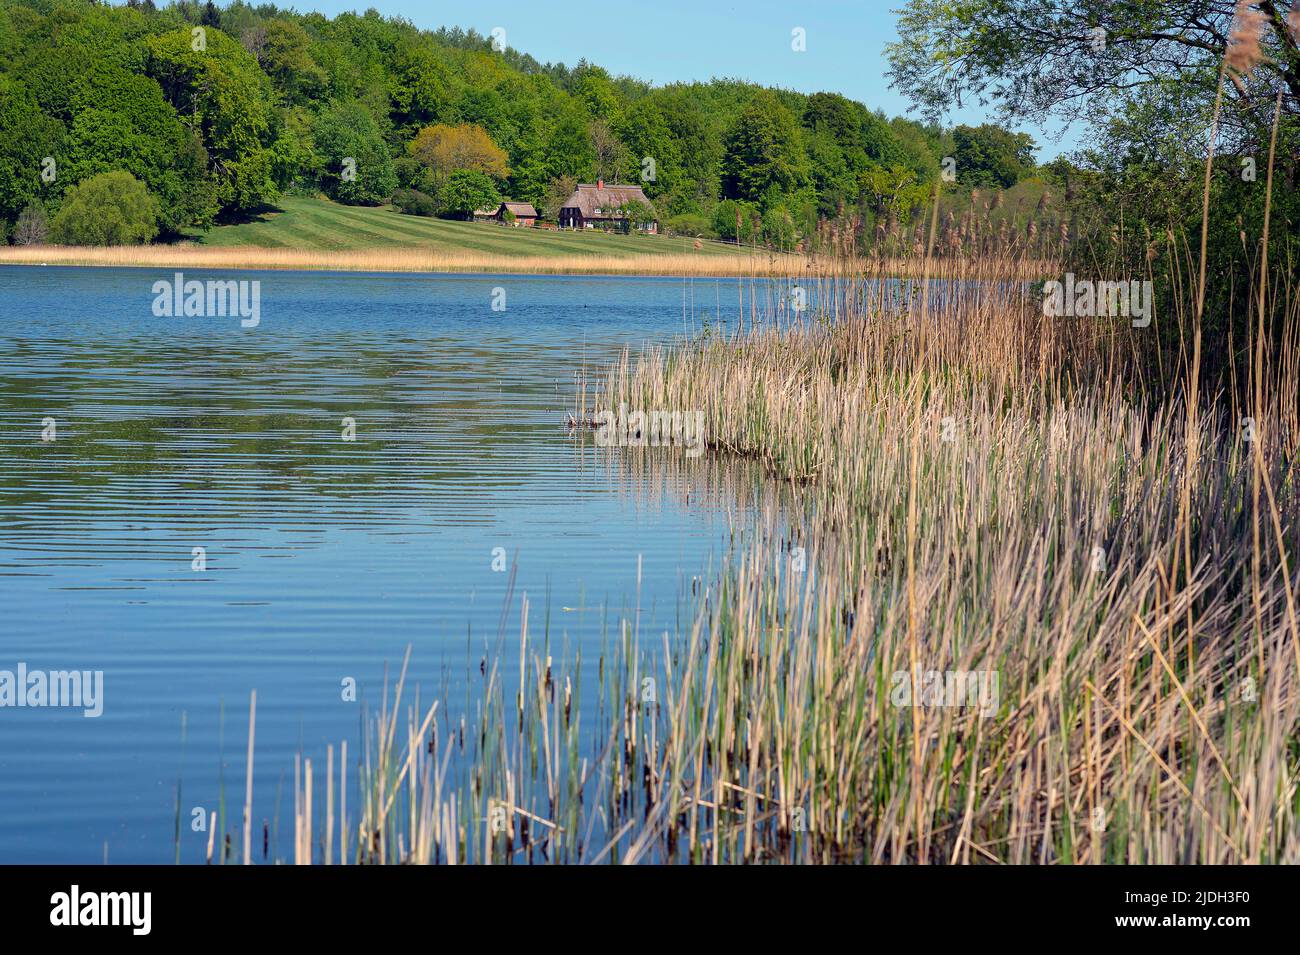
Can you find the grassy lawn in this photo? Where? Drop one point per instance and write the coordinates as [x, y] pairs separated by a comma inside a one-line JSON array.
[[318, 224]]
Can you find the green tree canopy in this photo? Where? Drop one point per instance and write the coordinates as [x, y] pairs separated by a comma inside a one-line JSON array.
[[467, 191], [217, 85], [113, 208], [990, 156], [282, 49], [357, 168], [764, 151], [27, 136], [219, 108], [647, 135]]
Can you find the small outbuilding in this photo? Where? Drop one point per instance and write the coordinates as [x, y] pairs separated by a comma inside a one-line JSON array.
[[516, 213], [523, 212]]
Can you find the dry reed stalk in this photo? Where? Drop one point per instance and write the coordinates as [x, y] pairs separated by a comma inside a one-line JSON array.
[[733, 373], [343, 803], [248, 780], [329, 805]]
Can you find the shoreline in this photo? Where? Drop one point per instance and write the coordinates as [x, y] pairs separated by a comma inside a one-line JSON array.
[[414, 261]]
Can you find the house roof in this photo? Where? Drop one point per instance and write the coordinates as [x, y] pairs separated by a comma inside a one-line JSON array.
[[589, 197], [520, 208], [486, 212]]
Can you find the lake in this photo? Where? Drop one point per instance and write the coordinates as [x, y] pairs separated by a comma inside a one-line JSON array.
[[327, 548]]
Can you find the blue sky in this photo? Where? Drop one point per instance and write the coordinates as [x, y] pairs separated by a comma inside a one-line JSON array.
[[667, 40]]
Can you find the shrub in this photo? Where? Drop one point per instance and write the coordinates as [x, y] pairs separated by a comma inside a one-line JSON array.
[[689, 224], [413, 202], [113, 208], [32, 226], [737, 221], [779, 229]]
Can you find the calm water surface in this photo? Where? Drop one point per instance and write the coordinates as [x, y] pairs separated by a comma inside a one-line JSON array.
[[325, 558]]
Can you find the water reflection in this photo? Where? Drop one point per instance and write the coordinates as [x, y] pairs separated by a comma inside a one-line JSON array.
[[324, 558]]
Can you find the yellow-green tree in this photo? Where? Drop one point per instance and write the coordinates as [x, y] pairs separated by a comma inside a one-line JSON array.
[[447, 149]]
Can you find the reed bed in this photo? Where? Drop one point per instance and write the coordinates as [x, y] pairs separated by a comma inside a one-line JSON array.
[[746, 263], [988, 491], [743, 263]]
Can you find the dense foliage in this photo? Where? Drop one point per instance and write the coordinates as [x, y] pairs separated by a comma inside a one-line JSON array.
[[1147, 80], [219, 111], [112, 208]]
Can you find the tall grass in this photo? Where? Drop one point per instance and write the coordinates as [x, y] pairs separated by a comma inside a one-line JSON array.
[[391, 259], [745, 263], [1085, 540]]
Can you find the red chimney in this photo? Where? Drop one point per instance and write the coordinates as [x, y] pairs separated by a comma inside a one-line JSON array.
[[600, 183]]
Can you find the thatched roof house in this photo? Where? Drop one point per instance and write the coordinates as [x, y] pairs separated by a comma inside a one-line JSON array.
[[596, 206], [523, 212]]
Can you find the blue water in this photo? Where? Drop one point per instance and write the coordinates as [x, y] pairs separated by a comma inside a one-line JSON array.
[[325, 558]]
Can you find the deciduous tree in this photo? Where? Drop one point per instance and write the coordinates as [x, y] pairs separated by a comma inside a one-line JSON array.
[[466, 191], [764, 151], [464, 148], [113, 208]]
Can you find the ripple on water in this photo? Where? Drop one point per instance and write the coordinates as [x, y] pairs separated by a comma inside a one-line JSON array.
[[324, 558]]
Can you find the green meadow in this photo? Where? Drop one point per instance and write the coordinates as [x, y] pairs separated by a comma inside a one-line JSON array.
[[319, 224]]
